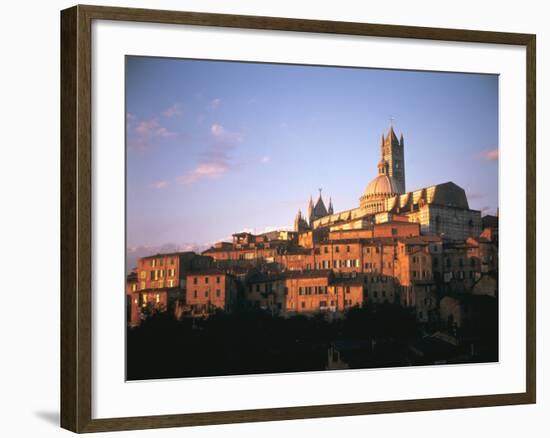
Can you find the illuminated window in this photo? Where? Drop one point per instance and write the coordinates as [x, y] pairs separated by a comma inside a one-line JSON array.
[[157, 298]]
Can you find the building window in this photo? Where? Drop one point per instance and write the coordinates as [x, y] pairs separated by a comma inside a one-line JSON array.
[[336, 249], [195, 280], [218, 280], [303, 304], [205, 280], [347, 248], [152, 275], [326, 249], [218, 293], [206, 294], [195, 294]]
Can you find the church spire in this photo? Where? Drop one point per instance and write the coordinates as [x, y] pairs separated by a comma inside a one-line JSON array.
[[330, 207]]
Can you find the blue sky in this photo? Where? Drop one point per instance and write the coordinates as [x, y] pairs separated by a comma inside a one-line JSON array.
[[218, 147]]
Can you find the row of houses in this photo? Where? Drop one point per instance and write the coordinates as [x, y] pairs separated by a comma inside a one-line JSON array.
[[319, 271]]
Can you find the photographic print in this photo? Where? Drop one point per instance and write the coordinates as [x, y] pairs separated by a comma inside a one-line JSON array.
[[301, 218]]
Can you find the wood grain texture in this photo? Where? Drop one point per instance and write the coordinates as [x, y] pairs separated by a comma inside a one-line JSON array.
[[76, 221]]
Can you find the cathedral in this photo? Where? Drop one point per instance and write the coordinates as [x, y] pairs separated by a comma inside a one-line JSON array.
[[441, 209]]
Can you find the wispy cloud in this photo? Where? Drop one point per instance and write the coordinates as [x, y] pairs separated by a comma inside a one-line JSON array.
[[203, 170], [490, 155], [172, 111], [160, 184], [145, 134], [222, 134], [217, 159], [215, 103]]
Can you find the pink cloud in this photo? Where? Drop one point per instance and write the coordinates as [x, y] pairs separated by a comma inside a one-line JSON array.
[[174, 110], [491, 155], [217, 159], [146, 133], [160, 184], [221, 133], [203, 170]]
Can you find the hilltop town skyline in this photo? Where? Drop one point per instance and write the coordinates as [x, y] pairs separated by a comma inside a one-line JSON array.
[[245, 150]]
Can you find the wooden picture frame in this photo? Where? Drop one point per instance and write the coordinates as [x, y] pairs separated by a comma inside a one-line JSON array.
[[76, 217]]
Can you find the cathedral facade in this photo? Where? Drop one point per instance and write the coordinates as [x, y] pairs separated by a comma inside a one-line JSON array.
[[441, 209]]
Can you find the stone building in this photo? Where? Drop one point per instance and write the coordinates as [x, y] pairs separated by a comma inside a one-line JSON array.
[[266, 291], [159, 282], [441, 209], [208, 290], [320, 291]]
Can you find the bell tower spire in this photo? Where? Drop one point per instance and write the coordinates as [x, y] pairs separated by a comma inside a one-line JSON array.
[[394, 158]]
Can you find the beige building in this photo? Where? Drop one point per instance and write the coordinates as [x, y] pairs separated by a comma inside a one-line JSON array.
[[441, 209]]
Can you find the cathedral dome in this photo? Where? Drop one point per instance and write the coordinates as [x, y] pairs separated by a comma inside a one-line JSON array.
[[382, 185]]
